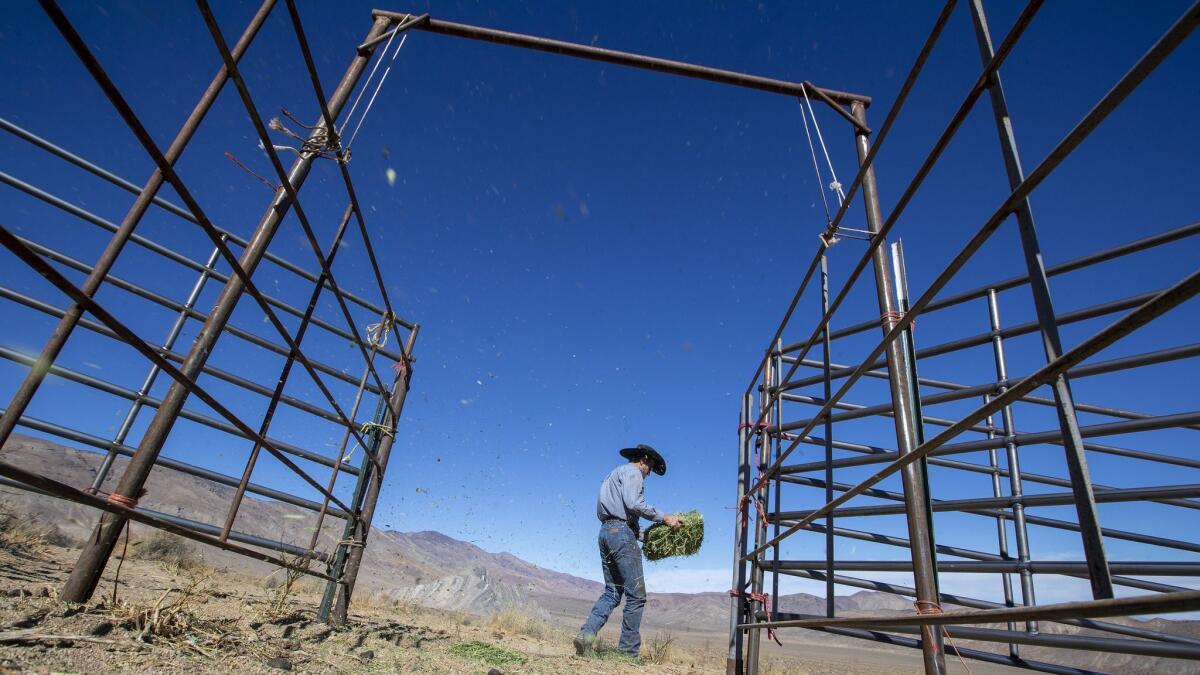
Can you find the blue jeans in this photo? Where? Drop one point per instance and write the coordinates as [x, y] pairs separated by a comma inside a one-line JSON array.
[[621, 559]]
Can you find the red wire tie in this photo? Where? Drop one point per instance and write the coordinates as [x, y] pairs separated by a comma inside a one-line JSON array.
[[931, 607], [765, 599], [121, 500], [273, 187], [758, 426], [890, 319]]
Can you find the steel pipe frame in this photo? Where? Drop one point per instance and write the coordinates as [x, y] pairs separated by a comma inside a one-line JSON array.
[[166, 462], [128, 394], [95, 555], [975, 603], [374, 482], [738, 607], [100, 329], [293, 195], [1148, 311], [1158, 603], [1021, 439], [53, 347], [980, 339], [561, 47], [1032, 520], [1064, 567], [866, 163], [1081, 262], [163, 251], [52, 487], [101, 172], [186, 310]]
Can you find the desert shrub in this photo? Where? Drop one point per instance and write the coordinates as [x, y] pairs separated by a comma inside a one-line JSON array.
[[522, 622], [169, 549], [489, 654], [665, 542], [659, 650]]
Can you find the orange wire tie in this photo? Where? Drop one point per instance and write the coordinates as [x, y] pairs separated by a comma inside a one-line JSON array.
[[931, 607]]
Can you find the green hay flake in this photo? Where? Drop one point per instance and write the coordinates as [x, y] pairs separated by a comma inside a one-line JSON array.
[[489, 654], [665, 542]]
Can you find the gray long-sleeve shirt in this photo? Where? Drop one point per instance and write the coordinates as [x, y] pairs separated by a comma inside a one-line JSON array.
[[621, 496]]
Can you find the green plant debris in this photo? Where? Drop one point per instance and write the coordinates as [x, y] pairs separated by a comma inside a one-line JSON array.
[[489, 654], [665, 542]]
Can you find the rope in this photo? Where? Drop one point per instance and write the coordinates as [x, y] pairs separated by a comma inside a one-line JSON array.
[[890, 319], [379, 86], [816, 167], [370, 77], [377, 333], [931, 607], [765, 599], [757, 426], [836, 186], [365, 429]]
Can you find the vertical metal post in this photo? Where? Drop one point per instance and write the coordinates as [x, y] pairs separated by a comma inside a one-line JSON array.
[[148, 383], [1001, 525], [915, 497], [53, 347], [375, 482], [737, 603], [96, 552], [338, 566], [1015, 486], [830, 609], [776, 449], [1081, 481], [759, 499]]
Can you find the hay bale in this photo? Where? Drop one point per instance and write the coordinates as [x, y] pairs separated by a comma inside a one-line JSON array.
[[664, 542]]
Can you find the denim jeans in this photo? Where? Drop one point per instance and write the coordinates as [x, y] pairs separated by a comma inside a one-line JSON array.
[[621, 559]]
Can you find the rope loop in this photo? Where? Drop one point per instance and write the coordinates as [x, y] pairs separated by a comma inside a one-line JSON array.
[[765, 600], [931, 607]]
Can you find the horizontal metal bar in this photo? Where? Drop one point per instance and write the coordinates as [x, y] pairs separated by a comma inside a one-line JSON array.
[[980, 339], [1159, 603], [1025, 439], [951, 599], [100, 329], [1028, 501], [26, 135], [975, 654], [564, 48], [131, 395], [69, 493], [166, 462], [1044, 639], [1115, 252], [172, 255], [1144, 567]]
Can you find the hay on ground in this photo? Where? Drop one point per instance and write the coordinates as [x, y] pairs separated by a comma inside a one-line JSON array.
[[665, 542]]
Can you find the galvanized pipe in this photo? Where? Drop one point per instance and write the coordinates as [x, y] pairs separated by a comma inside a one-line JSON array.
[[734, 664]]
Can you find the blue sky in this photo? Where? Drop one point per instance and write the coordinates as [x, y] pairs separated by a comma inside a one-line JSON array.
[[598, 255]]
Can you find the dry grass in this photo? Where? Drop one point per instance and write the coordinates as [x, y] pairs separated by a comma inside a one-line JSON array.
[[660, 649], [171, 550], [25, 533], [283, 582], [514, 620]]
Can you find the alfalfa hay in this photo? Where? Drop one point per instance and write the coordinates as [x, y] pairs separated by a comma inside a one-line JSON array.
[[662, 541]]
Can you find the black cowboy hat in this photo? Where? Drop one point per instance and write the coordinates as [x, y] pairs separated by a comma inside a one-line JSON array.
[[657, 463]]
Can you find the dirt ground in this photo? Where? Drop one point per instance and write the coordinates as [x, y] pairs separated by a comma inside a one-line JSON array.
[[175, 614]]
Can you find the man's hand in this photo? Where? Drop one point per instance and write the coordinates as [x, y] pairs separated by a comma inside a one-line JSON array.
[[672, 522]]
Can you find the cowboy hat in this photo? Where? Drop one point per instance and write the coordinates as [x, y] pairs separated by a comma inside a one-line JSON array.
[[657, 463]]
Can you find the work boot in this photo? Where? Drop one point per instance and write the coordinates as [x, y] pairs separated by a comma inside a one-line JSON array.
[[584, 643]]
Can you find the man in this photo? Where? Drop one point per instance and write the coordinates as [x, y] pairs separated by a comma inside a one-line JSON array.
[[620, 505]]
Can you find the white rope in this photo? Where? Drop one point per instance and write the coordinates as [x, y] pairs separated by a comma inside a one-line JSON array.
[[377, 333], [816, 166], [836, 186], [370, 78], [366, 429], [379, 86]]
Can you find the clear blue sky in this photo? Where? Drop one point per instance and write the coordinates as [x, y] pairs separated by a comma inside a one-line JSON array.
[[598, 255]]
